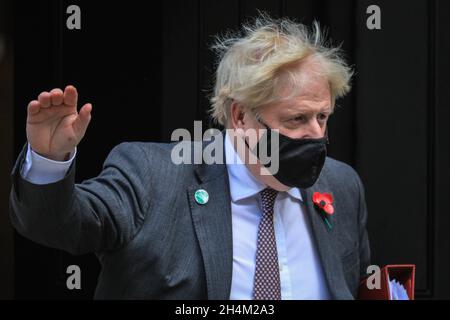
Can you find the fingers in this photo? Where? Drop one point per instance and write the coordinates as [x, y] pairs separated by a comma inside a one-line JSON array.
[[70, 96], [34, 107], [44, 99], [83, 119], [57, 97]]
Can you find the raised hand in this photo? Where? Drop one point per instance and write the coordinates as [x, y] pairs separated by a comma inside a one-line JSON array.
[[54, 126]]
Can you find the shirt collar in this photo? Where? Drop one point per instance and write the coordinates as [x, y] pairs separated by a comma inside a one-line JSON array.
[[242, 182]]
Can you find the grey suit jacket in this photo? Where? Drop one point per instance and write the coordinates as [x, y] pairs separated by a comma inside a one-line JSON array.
[[154, 241]]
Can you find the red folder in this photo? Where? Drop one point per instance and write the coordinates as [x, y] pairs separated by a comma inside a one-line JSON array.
[[403, 273]]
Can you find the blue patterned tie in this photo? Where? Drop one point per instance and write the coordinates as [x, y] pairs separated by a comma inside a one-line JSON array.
[[267, 273]]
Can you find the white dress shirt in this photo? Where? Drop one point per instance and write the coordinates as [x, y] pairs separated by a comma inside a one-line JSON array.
[[301, 273], [39, 170]]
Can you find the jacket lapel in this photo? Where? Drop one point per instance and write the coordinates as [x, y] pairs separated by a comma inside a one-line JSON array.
[[212, 223], [325, 239]]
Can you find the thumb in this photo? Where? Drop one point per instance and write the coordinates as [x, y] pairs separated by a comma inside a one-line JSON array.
[[84, 117]]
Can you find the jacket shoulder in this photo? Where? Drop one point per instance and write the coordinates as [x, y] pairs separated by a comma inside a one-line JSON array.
[[153, 158], [138, 149], [336, 172], [338, 167]]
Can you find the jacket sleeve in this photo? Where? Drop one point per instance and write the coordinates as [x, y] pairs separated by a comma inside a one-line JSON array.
[[102, 213]]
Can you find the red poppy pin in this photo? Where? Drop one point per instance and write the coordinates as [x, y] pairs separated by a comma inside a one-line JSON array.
[[324, 201]]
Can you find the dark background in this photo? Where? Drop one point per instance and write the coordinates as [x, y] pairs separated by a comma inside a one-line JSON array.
[[146, 68]]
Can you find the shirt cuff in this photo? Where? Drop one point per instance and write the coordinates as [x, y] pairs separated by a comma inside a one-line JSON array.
[[40, 170]]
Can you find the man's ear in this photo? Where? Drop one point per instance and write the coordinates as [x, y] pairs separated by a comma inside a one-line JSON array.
[[237, 116]]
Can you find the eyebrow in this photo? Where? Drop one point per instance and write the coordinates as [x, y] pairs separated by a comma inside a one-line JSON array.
[[290, 112]]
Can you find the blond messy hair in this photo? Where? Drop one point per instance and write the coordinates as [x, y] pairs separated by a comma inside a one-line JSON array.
[[252, 65]]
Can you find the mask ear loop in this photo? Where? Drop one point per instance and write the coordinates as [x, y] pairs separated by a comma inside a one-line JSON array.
[[326, 135], [267, 128], [260, 121]]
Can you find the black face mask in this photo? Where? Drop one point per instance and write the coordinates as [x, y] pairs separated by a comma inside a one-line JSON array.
[[300, 160]]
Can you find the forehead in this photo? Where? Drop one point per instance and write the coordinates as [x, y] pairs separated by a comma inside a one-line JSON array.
[[297, 106]]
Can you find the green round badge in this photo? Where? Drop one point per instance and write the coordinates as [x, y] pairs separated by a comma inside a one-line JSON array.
[[201, 196]]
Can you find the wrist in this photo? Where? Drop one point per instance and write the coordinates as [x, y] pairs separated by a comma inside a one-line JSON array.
[[55, 157]]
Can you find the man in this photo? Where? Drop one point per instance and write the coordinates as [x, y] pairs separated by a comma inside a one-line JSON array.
[[210, 231]]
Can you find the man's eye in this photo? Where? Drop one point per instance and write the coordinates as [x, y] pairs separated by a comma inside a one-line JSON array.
[[322, 117], [298, 119]]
